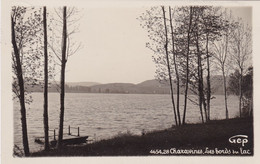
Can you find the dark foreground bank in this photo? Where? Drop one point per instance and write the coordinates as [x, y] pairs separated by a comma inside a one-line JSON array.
[[222, 137]]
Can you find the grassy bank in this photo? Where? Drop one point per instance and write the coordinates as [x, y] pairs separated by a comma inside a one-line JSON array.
[[211, 138]]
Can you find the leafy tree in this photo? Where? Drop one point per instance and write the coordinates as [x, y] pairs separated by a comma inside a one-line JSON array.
[[233, 82], [25, 27], [178, 42], [160, 34], [212, 27], [183, 45], [248, 92], [247, 89], [183, 36]]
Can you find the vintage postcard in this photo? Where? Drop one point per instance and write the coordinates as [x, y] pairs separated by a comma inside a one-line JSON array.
[[131, 81]]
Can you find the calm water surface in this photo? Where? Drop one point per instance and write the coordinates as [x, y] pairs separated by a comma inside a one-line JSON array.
[[102, 116]]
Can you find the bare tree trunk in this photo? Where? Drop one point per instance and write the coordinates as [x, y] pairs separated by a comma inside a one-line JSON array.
[[176, 68], [200, 93], [187, 69], [168, 65], [202, 86], [224, 76], [225, 90], [19, 74], [199, 77], [203, 96], [208, 79], [45, 106], [62, 81], [240, 92]]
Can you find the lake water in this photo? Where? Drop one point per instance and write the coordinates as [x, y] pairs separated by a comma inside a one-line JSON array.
[[103, 116]]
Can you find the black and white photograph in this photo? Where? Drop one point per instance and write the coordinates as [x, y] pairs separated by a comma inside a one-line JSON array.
[[132, 79]]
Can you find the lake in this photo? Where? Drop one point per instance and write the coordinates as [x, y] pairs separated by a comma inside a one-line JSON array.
[[103, 116]]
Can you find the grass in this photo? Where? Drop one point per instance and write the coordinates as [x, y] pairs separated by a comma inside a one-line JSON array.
[[211, 135]]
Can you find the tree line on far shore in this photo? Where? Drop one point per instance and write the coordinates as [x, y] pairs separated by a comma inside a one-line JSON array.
[[147, 87]]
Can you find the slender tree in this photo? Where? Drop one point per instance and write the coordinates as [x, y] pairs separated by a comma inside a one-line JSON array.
[[25, 29], [155, 21], [63, 47], [241, 45], [220, 55], [19, 74], [206, 29], [221, 52], [168, 66], [175, 65], [187, 62], [196, 60], [212, 27], [45, 106], [62, 80], [200, 75]]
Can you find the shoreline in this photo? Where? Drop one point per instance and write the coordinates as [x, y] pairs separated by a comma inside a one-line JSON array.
[[212, 138]]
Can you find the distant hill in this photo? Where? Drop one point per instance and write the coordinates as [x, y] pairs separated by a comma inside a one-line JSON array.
[[147, 87], [151, 83], [112, 88], [84, 84]]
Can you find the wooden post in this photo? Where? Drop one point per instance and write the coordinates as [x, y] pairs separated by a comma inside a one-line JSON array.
[[54, 135], [69, 130], [78, 131]]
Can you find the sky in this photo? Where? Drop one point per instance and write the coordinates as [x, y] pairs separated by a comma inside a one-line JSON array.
[[114, 46], [243, 12]]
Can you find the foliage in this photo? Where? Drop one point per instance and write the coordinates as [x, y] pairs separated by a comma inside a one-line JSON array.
[[27, 58], [247, 89], [196, 33], [29, 38], [233, 82], [247, 83], [18, 152]]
